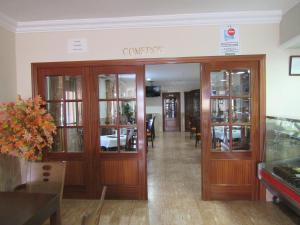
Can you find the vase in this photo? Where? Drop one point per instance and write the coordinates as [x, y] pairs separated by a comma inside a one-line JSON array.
[[13, 172]]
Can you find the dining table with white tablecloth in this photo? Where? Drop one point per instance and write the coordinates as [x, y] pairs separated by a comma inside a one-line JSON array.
[[111, 141]]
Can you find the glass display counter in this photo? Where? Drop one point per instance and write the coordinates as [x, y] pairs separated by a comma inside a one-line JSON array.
[[281, 171]]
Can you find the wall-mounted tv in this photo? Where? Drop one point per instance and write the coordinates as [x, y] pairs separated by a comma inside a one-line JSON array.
[[152, 91]]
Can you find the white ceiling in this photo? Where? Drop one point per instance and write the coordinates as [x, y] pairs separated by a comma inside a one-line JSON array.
[[30, 10], [187, 72]]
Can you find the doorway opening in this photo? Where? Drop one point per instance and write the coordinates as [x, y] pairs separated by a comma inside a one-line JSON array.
[[173, 121]]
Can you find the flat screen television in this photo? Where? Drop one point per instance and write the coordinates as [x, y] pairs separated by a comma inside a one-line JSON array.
[[152, 91]]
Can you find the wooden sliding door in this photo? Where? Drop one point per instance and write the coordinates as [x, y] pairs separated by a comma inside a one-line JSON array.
[[230, 130], [99, 112], [118, 130], [65, 91]]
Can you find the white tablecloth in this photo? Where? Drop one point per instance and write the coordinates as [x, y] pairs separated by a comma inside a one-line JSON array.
[[111, 141], [219, 133]]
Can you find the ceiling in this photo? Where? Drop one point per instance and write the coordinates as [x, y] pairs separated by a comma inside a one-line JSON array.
[[187, 72], [31, 10]]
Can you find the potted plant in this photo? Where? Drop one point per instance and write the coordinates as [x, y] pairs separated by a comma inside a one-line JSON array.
[[127, 112], [26, 131]]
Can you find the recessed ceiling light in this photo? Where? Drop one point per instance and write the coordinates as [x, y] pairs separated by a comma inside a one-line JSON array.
[[148, 79]]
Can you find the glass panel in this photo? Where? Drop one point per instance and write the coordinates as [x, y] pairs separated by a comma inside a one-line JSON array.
[[54, 88], [220, 138], [219, 83], [58, 141], [127, 112], [108, 112], [107, 86], [127, 86], [56, 110], [74, 139], [240, 82], [74, 113], [108, 139], [241, 110], [282, 139], [73, 88], [128, 139], [240, 138], [170, 107], [219, 110]]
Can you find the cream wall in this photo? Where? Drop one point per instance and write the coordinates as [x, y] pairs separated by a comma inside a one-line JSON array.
[[8, 86], [289, 25], [282, 90]]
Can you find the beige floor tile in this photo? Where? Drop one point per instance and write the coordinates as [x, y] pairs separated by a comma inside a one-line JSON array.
[[174, 191]]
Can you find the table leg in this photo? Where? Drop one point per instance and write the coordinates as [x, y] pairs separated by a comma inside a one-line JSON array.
[[55, 218]]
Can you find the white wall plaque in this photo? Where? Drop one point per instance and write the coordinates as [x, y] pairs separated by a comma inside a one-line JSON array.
[[77, 45]]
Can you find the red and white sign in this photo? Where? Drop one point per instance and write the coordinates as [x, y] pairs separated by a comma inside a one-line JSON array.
[[229, 40]]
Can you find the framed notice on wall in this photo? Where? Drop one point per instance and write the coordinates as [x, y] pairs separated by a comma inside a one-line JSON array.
[[294, 65], [229, 40]]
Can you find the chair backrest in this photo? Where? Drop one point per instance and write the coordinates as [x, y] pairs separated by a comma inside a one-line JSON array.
[[152, 125], [149, 124], [94, 217], [46, 177], [129, 134]]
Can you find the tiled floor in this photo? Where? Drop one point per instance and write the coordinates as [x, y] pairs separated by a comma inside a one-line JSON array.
[[174, 195]]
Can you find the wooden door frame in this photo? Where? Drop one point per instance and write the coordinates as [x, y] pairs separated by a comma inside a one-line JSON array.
[[260, 58], [164, 94]]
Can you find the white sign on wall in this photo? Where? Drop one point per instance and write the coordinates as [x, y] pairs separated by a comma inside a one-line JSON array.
[[77, 45], [229, 40]]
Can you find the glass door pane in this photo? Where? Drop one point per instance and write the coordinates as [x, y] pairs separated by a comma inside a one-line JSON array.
[[240, 82], [117, 112], [219, 110], [127, 86], [230, 110], [219, 83], [65, 103]]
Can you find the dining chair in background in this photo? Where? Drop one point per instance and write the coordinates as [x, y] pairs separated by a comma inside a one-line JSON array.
[[150, 132], [130, 139]]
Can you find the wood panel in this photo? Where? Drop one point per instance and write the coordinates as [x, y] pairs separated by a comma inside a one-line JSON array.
[[229, 172], [231, 192], [130, 170], [119, 172], [75, 175], [123, 192]]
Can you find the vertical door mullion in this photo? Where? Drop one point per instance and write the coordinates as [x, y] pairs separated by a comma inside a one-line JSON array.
[[230, 112], [118, 112], [65, 115]]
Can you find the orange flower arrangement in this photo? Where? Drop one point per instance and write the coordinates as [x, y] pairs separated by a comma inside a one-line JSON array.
[[26, 129]]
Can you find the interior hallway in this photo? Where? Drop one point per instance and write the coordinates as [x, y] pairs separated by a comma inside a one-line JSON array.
[[174, 195]]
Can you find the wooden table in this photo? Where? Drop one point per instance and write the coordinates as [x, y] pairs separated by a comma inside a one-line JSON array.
[[22, 208]]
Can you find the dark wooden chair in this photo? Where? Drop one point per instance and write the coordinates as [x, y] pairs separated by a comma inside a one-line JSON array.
[[198, 138], [193, 131], [130, 139], [150, 130]]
